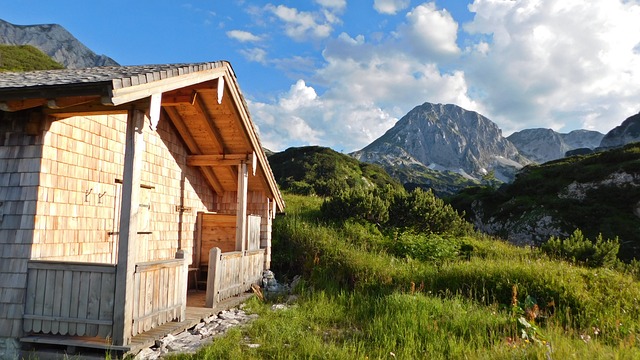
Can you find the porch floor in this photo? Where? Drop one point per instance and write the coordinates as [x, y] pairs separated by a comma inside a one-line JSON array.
[[195, 313]]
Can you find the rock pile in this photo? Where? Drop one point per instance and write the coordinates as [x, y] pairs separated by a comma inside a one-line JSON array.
[[202, 334]]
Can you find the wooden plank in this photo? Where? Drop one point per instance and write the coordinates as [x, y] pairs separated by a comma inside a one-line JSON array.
[[57, 300], [197, 241], [75, 301], [106, 304], [49, 292], [72, 266], [218, 160], [65, 309], [69, 319], [32, 282], [128, 228], [83, 302], [155, 265], [93, 304], [241, 215], [213, 277], [136, 303]]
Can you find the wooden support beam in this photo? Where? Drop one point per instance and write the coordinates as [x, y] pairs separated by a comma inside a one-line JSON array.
[[61, 103], [180, 97], [219, 160], [212, 179], [127, 239], [16, 105], [212, 128], [241, 214], [177, 121]]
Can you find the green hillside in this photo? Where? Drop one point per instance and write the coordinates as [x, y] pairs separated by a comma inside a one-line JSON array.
[[25, 58], [372, 293], [597, 193], [315, 170]]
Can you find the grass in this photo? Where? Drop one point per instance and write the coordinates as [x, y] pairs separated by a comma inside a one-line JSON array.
[[359, 302]]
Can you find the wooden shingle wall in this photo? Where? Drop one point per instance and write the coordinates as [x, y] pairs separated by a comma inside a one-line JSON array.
[[178, 193], [78, 195], [19, 168]]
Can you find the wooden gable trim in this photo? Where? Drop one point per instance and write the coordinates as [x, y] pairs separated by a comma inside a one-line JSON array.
[[133, 93]]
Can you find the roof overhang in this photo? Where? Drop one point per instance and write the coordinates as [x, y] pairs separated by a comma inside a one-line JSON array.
[[202, 101]]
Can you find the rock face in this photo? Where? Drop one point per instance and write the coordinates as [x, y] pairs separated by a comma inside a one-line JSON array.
[[446, 138], [542, 145], [55, 41], [627, 132]]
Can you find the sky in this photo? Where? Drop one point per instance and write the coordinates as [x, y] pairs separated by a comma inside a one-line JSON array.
[[340, 73]]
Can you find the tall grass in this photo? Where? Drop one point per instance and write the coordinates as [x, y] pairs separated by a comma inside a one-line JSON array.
[[360, 302]]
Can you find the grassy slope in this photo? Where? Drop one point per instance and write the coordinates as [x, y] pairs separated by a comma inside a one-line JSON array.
[[25, 58], [607, 210], [358, 302]]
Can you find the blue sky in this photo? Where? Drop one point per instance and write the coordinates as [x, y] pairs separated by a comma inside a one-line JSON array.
[[340, 73]]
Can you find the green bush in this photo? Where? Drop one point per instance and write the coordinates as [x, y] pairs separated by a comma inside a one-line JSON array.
[[580, 250], [432, 248]]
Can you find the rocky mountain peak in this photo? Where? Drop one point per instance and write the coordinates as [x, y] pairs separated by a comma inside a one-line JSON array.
[[55, 41], [446, 138], [627, 132], [542, 145]]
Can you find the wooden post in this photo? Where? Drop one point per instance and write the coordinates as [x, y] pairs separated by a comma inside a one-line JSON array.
[[213, 277], [241, 214], [127, 239], [184, 281]]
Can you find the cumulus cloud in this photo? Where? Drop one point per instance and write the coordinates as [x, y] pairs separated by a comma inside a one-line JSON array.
[[556, 63], [430, 32], [301, 25], [333, 4], [390, 7], [243, 36], [255, 55]]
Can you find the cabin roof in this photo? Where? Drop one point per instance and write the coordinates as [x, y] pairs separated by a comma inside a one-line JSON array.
[[202, 100]]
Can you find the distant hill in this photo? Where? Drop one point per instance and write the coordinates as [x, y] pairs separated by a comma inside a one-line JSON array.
[[542, 145], [25, 58], [315, 170], [597, 193], [445, 147], [627, 132], [55, 41]]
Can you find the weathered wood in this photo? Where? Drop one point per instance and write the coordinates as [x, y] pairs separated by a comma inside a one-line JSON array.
[[253, 232], [219, 160], [155, 294], [241, 215], [213, 277], [128, 228], [70, 302]]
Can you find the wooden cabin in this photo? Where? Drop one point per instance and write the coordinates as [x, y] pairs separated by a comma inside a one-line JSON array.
[[122, 191]]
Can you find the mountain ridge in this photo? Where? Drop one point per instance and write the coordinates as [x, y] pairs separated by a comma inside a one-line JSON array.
[[55, 41]]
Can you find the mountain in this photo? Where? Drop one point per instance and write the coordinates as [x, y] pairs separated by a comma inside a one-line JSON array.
[[446, 138], [627, 132], [55, 41], [597, 193], [542, 145], [315, 170]]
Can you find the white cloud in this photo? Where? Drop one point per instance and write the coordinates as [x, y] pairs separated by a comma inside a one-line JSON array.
[[243, 36], [390, 7], [255, 54], [556, 63], [300, 25], [430, 32], [333, 4]]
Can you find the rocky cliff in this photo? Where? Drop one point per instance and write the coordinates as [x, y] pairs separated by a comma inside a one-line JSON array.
[[627, 132], [542, 145], [446, 138], [55, 41]]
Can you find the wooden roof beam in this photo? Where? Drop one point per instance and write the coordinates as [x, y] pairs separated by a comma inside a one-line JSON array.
[[179, 124], [212, 179], [220, 160], [213, 129], [17, 105]]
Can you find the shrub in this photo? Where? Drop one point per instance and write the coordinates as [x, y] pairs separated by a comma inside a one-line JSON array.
[[578, 249], [432, 248]]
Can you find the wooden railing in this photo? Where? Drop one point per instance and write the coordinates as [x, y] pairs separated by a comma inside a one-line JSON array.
[[158, 290], [69, 298], [232, 273]]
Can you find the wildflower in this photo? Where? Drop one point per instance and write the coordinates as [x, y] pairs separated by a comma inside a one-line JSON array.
[[392, 354]]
